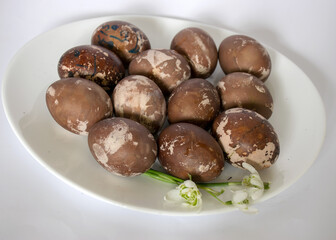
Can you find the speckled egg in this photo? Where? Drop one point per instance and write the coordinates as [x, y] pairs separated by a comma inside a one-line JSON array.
[[77, 104], [166, 68], [246, 136], [140, 99], [123, 38], [187, 150], [244, 90], [94, 63], [122, 146], [194, 101], [240, 53], [198, 47]]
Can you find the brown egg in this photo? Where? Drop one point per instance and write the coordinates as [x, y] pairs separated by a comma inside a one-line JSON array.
[[122, 146], [77, 104], [123, 38], [140, 99], [166, 68], [244, 90], [194, 101], [94, 63], [187, 150], [198, 47], [239, 53], [246, 136]]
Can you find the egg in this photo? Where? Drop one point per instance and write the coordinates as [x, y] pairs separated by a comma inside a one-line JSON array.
[[194, 101], [186, 150], [77, 104], [198, 47], [123, 38], [246, 136], [240, 53], [122, 146], [140, 99], [94, 63], [165, 67], [244, 90]]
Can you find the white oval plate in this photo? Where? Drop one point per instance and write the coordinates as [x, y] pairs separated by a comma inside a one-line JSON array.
[[299, 118]]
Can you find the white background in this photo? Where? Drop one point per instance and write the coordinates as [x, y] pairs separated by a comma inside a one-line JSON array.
[[36, 205]]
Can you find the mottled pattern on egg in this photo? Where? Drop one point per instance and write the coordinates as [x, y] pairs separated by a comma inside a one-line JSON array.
[[194, 101], [94, 63], [77, 104], [246, 136], [122, 146], [140, 99], [244, 90], [239, 53], [165, 67], [186, 149], [123, 38], [198, 47]]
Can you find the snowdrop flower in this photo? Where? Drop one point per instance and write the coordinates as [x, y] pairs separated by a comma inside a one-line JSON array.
[[253, 182], [254, 189], [186, 194]]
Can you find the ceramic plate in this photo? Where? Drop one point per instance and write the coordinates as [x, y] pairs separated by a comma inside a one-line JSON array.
[[298, 118]]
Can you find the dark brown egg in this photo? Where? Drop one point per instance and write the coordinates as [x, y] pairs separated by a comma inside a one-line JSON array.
[[123, 38], [94, 63], [140, 99], [166, 68], [198, 47], [194, 101], [122, 146], [187, 150], [77, 104], [239, 53], [246, 136], [244, 90]]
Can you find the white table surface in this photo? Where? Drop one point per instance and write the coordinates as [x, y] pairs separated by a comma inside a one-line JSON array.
[[34, 204]]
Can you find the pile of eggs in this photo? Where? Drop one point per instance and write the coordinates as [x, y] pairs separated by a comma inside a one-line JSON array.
[[121, 93]]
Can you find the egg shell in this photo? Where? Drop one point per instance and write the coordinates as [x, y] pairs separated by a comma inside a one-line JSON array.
[[138, 98], [165, 67], [246, 136], [194, 101], [94, 63], [77, 104], [187, 150], [244, 90], [122, 146], [198, 47], [240, 53], [123, 38]]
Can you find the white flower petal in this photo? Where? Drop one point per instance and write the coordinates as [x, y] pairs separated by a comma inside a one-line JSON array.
[[255, 193], [186, 194], [173, 196], [190, 184], [249, 168], [239, 196]]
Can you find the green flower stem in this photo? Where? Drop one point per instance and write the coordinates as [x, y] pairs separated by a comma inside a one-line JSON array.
[[205, 186], [225, 184]]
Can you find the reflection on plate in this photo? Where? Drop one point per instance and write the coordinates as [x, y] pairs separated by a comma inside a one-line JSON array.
[[298, 118]]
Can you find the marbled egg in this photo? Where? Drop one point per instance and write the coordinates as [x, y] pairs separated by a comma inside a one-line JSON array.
[[122, 146], [140, 99], [94, 63], [77, 104], [187, 150], [246, 136], [240, 53], [166, 68], [123, 38], [198, 47]]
